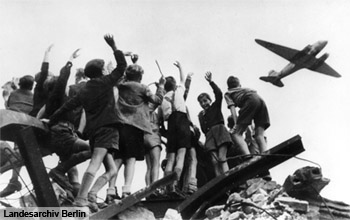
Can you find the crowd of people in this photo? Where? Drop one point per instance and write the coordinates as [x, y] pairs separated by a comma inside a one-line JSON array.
[[109, 117]]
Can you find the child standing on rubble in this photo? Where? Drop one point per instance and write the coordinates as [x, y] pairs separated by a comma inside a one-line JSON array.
[[179, 135], [252, 108], [133, 103], [212, 124], [97, 99]]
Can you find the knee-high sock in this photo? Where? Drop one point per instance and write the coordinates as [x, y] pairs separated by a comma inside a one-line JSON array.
[[86, 182]]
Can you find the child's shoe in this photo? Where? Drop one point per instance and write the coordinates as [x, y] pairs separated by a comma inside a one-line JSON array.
[[126, 191], [84, 203], [92, 202]]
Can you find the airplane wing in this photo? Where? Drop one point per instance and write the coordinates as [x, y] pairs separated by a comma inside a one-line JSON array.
[[324, 68], [285, 52]]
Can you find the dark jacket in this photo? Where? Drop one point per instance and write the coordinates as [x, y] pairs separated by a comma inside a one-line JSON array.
[[97, 99], [40, 97], [213, 115]]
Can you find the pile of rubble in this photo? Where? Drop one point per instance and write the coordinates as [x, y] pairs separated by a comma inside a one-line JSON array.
[[260, 200], [298, 198]]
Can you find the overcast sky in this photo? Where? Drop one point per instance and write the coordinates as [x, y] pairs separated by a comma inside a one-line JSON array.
[[215, 36]]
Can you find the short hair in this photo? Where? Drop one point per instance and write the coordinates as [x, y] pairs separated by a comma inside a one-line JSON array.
[[170, 83], [94, 68], [134, 72], [26, 82], [233, 82], [202, 95]]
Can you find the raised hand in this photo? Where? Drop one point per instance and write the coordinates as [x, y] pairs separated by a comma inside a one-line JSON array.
[[177, 64], [161, 81], [128, 53], [49, 48], [74, 55], [208, 76], [110, 41], [134, 58], [189, 75], [47, 52]]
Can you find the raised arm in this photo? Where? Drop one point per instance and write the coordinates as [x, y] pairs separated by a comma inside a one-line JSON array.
[[158, 97], [216, 89], [44, 71], [182, 77], [188, 84], [69, 105], [56, 98], [47, 54], [118, 72]]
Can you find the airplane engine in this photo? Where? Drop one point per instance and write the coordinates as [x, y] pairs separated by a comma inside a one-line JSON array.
[[324, 57], [319, 61]]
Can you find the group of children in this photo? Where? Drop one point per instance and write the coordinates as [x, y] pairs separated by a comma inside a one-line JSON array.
[[123, 121]]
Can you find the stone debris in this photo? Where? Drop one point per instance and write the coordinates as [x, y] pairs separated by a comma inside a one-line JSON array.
[[261, 199], [253, 202], [172, 214]]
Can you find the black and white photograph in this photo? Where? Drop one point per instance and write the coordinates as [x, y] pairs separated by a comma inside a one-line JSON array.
[[159, 109]]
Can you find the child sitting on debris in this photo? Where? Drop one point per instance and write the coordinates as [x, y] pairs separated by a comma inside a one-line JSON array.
[[64, 140], [252, 108], [212, 123], [97, 99]]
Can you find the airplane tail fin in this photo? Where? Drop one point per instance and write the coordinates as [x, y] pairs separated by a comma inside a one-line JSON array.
[[272, 78]]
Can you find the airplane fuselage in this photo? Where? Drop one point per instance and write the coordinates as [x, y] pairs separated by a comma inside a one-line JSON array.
[[300, 60]]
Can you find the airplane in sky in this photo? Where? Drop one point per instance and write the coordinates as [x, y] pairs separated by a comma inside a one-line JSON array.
[[299, 59]]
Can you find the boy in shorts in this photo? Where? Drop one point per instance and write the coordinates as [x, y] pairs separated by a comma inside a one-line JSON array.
[[212, 124], [178, 133], [153, 148], [97, 99], [133, 104], [252, 108]]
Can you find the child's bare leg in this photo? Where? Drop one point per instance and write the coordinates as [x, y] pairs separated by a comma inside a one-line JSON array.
[[155, 157], [192, 168], [179, 163], [89, 175], [170, 164], [215, 161], [111, 190], [239, 139], [129, 170], [222, 152], [260, 138], [149, 167], [190, 180], [118, 163]]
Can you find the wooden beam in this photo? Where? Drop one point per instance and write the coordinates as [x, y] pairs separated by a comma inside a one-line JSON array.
[[238, 175], [11, 121], [113, 210], [29, 149]]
